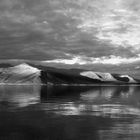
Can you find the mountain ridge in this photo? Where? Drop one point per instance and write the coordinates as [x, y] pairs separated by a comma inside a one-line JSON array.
[[26, 73]]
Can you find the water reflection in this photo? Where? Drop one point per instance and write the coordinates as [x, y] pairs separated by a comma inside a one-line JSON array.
[[98, 101], [44, 113], [19, 96]]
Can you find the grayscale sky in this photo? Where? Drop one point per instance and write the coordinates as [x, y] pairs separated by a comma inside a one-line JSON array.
[[71, 31]]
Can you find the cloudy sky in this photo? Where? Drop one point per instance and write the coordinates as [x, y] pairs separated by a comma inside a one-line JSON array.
[[71, 31]]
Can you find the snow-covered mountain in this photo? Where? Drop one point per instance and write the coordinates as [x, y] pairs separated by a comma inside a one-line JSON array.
[[109, 77], [98, 75], [20, 74]]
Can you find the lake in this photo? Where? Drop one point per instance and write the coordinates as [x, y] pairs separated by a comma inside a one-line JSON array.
[[69, 113]]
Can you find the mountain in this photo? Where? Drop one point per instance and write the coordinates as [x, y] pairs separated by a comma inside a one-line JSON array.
[[75, 76], [107, 77], [20, 74], [36, 74]]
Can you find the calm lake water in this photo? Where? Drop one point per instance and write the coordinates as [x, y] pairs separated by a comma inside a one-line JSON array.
[[69, 113]]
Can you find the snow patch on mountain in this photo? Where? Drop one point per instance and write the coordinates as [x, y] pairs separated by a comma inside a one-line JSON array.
[[131, 80], [98, 75], [90, 74], [106, 76]]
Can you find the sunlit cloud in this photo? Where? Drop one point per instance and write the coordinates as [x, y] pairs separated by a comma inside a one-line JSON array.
[[82, 60], [74, 60]]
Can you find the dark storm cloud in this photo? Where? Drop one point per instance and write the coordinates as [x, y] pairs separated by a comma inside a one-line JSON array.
[[51, 29]]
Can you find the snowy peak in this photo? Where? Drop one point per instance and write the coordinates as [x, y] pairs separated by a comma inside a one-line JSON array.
[[23, 65], [24, 69]]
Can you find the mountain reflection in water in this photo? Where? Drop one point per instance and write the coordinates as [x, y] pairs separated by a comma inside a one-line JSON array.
[[69, 113]]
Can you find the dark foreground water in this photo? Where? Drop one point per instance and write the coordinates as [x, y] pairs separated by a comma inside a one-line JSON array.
[[69, 113]]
